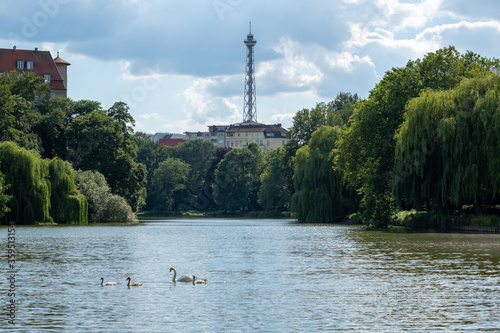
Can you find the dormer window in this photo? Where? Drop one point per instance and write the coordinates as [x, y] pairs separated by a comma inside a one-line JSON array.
[[46, 78], [20, 64], [29, 65]]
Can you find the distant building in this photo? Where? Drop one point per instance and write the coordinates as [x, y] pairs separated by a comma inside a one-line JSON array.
[[215, 135], [168, 139], [267, 137], [53, 71]]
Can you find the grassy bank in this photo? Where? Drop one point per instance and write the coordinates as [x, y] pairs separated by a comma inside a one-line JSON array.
[[213, 214]]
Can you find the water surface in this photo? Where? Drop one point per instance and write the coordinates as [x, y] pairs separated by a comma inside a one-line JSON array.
[[263, 275]]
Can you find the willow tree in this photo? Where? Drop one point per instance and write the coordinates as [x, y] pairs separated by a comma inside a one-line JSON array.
[[448, 147], [318, 187], [27, 175], [4, 198], [68, 205]]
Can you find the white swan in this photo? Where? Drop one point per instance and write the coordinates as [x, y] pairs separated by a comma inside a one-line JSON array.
[[133, 284], [183, 278], [107, 283], [199, 281]]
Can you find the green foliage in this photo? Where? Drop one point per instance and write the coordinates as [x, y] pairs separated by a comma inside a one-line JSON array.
[[27, 174], [68, 205], [17, 101], [205, 199], [237, 179], [198, 154], [4, 198], [103, 141], [318, 187], [367, 146], [117, 210], [448, 148], [273, 194], [169, 184], [335, 113], [27, 86], [103, 206]]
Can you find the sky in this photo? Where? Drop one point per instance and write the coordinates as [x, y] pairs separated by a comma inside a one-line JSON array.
[[180, 65]]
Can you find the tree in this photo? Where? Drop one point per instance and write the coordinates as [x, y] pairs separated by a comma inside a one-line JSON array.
[[198, 154], [4, 198], [103, 205], [18, 97], [306, 122], [273, 194], [151, 154], [367, 146], [237, 179], [318, 187], [55, 117], [205, 199], [169, 184], [447, 151], [68, 205], [27, 174], [102, 142]]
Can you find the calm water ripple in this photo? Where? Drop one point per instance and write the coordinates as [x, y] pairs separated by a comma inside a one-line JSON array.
[[270, 276]]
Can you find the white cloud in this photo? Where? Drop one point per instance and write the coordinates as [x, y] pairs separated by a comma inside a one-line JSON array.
[[401, 15], [435, 33], [296, 67], [154, 116]]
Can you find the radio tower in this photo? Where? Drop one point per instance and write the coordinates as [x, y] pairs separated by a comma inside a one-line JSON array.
[[249, 107]]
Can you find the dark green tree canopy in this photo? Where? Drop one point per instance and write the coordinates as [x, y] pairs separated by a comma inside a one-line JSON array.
[[366, 147], [237, 179]]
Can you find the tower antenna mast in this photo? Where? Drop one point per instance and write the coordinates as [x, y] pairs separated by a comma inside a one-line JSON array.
[[249, 107]]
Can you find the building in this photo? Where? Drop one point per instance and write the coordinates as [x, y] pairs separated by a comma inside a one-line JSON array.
[[168, 139], [53, 71], [215, 135], [267, 137]]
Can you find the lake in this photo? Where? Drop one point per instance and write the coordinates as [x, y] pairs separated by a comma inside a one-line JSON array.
[[263, 275]]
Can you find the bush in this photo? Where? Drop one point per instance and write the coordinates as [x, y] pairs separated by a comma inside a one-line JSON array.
[[117, 210]]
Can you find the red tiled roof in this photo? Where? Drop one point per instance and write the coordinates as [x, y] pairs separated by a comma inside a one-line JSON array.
[[171, 142], [42, 64], [59, 60]]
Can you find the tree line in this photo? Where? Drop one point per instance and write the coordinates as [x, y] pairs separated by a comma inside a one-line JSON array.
[[426, 138]]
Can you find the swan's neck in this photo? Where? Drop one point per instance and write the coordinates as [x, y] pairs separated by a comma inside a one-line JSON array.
[[175, 275], [128, 283]]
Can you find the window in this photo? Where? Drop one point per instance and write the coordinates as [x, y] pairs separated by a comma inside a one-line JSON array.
[[221, 141], [207, 135], [29, 65], [1, 72], [282, 142], [193, 135], [268, 142], [46, 78], [20, 64], [221, 135]]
